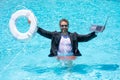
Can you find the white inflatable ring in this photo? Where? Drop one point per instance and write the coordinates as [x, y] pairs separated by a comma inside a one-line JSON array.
[[33, 25]]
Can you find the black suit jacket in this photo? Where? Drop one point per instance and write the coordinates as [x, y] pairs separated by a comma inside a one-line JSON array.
[[74, 37]]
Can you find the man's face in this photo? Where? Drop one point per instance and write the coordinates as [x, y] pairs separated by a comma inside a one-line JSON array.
[[64, 26]]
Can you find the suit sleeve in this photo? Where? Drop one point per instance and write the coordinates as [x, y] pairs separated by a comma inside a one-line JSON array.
[[44, 33], [85, 38]]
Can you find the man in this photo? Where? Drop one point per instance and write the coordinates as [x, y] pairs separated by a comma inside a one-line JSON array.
[[64, 44]]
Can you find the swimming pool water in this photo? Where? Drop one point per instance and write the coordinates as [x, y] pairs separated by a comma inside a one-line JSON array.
[[28, 60]]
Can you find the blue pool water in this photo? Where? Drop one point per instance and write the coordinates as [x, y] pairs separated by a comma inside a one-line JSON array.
[[28, 60]]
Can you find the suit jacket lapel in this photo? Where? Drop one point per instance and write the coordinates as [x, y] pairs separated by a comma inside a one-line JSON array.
[[71, 38]]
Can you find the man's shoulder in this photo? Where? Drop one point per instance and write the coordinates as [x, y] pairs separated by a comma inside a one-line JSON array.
[[73, 33], [56, 33]]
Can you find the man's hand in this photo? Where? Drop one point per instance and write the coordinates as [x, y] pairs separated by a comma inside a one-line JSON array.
[[29, 21]]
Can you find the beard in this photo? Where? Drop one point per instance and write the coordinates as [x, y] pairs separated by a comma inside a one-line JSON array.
[[64, 30]]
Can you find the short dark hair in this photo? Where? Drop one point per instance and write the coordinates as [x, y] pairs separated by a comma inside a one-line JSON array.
[[64, 20]]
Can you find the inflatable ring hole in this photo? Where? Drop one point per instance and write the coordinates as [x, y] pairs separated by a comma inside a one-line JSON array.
[[22, 24]]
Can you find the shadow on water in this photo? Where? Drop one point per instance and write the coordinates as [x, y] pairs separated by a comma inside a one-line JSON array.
[[83, 68], [40, 70], [79, 68]]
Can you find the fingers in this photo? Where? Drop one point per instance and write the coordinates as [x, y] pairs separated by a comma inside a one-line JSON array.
[[29, 21]]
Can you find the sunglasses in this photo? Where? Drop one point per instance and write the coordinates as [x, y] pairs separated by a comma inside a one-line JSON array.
[[63, 25]]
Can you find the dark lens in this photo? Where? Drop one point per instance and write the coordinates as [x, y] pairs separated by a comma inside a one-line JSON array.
[[64, 25]]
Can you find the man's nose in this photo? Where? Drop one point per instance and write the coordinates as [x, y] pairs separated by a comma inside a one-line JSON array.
[[64, 26]]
